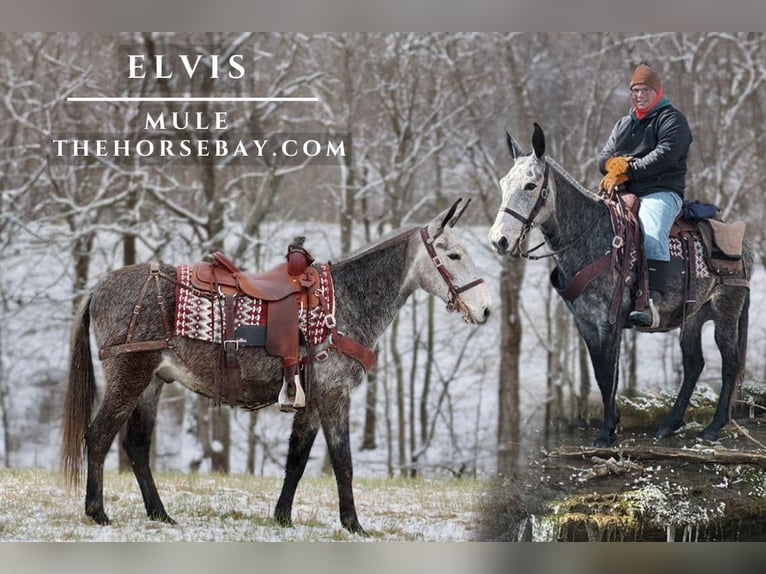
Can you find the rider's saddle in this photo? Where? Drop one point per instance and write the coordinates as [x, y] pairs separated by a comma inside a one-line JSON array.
[[720, 254], [285, 290]]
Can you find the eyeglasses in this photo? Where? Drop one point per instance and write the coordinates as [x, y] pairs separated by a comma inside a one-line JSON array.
[[640, 91]]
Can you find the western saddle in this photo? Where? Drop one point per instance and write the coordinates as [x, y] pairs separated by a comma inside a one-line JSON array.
[[287, 289]]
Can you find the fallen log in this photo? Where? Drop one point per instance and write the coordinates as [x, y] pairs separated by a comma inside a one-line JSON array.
[[606, 467], [703, 455]]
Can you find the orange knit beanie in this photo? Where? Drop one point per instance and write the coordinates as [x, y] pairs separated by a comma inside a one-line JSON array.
[[645, 74]]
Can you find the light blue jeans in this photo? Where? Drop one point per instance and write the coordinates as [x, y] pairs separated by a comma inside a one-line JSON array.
[[656, 212]]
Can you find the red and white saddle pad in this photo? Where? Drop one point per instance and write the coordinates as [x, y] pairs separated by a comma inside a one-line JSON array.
[[200, 316]]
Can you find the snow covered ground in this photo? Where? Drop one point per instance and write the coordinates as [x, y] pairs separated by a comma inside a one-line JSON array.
[[236, 508]]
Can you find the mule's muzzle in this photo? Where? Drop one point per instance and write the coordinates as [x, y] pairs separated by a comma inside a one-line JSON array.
[[478, 319], [501, 245]]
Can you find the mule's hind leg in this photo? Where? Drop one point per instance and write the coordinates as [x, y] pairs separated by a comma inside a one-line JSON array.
[[126, 378], [305, 428], [731, 340], [138, 443], [693, 363]]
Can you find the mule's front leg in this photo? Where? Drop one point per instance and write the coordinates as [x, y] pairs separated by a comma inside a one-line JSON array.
[[605, 356], [334, 411], [305, 428]]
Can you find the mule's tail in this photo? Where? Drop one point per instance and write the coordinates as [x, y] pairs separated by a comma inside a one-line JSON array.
[[80, 396]]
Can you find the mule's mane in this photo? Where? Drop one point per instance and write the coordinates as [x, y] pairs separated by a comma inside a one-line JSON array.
[[566, 176], [394, 237]]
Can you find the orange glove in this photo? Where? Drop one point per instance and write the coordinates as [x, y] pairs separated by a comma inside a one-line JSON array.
[[610, 181], [618, 164]]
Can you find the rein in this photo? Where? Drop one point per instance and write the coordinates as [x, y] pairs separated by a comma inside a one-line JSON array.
[[454, 302]]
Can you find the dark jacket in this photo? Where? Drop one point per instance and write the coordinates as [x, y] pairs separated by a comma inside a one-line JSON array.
[[659, 144]]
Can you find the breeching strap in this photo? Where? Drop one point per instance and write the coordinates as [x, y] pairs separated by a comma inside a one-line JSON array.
[[133, 347]]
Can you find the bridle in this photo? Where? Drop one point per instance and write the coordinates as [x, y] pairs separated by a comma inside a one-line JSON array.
[[527, 223], [454, 302]]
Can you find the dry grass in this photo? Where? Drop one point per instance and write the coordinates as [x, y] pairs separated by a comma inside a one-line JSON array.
[[36, 507]]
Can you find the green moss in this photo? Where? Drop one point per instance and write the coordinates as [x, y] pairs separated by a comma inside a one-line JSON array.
[[666, 511], [649, 409], [598, 516]]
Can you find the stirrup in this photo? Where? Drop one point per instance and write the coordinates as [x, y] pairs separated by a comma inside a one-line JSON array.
[[298, 400], [655, 317]]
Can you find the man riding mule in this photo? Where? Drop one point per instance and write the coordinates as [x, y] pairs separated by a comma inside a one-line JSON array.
[[646, 155], [596, 248]]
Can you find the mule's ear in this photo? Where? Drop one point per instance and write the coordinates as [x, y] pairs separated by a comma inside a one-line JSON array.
[[513, 146], [538, 141], [447, 215], [457, 216]]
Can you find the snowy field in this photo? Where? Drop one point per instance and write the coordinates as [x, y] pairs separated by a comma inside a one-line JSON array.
[[236, 508]]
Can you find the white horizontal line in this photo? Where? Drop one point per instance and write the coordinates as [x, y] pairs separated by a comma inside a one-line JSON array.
[[190, 99]]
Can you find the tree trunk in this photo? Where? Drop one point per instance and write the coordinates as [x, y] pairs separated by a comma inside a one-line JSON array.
[[371, 399], [4, 406], [413, 387], [585, 382], [427, 375], [631, 366], [401, 421], [252, 442], [221, 444], [370, 417], [81, 256], [509, 425]]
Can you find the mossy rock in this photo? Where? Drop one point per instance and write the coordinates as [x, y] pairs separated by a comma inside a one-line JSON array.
[[677, 495], [648, 409]]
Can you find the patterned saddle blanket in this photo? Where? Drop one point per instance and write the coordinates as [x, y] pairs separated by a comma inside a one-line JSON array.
[[201, 315]]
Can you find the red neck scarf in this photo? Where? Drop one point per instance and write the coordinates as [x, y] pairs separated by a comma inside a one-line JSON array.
[[641, 113]]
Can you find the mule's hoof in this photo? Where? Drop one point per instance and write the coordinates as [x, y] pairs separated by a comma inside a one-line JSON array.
[[162, 517], [664, 432], [603, 442], [357, 529], [283, 520], [709, 435], [100, 518]]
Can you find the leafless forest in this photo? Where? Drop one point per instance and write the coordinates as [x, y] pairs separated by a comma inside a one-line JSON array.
[[426, 115]]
